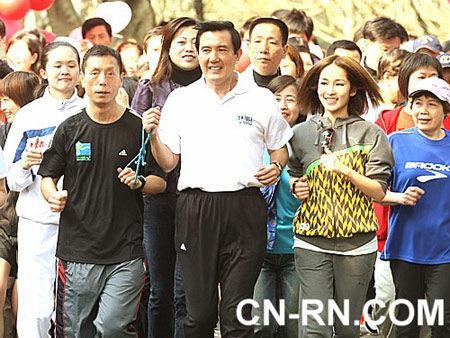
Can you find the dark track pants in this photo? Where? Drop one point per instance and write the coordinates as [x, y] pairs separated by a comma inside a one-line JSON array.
[[220, 239], [415, 281]]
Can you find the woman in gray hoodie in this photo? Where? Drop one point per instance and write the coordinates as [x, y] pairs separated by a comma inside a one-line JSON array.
[[339, 164]]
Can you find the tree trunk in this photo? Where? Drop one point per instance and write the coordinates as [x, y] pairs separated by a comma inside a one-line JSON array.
[[199, 10], [63, 18]]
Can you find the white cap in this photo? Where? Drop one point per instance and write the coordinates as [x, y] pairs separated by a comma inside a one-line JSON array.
[[434, 85]]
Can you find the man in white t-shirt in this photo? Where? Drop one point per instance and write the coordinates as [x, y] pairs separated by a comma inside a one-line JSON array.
[[220, 125]]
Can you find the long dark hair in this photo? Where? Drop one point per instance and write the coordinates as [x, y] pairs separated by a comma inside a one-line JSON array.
[[164, 69], [359, 79]]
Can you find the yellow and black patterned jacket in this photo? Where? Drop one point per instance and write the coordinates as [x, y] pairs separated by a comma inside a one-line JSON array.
[[336, 209]]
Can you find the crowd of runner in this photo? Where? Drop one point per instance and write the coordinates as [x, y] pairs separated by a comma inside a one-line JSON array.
[[148, 189]]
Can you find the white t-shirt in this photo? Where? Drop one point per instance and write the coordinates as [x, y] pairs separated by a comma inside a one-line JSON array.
[[364, 249], [221, 141], [2, 165]]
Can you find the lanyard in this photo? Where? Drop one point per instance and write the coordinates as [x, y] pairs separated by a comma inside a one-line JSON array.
[[139, 159]]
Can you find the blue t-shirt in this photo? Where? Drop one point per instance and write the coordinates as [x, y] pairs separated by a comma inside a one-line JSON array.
[[421, 233]]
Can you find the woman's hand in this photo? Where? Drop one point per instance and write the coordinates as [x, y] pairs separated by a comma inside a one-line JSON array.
[[331, 163], [411, 196], [300, 188]]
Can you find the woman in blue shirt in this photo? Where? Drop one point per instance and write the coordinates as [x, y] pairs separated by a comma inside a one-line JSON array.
[[278, 279], [418, 243]]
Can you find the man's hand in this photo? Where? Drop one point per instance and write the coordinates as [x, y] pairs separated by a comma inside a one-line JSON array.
[[300, 188], [31, 156], [57, 200], [128, 177], [150, 119], [411, 196], [268, 175]]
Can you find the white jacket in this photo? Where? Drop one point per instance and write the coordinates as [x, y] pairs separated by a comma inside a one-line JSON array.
[[35, 124]]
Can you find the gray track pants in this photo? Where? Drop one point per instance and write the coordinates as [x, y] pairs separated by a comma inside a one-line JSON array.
[[325, 277], [98, 300]]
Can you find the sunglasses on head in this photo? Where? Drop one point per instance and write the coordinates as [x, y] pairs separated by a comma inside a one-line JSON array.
[[327, 136]]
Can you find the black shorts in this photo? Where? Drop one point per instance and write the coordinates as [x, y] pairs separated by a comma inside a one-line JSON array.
[[8, 250]]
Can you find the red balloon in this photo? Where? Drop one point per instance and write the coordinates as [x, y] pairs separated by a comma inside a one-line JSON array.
[[14, 9], [11, 26], [40, 5]]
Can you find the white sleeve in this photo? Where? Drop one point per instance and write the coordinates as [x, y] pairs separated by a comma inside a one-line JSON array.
[[2, 165], [17, 178], [168, 129], [277, 132]]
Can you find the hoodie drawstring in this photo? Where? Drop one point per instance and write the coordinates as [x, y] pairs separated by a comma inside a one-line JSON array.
[[344, 134]]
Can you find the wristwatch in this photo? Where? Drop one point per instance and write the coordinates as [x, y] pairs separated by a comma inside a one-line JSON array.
[[278, 165], [143, 180]]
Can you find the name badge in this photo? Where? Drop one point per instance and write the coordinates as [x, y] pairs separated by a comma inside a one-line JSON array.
[[82, 151]]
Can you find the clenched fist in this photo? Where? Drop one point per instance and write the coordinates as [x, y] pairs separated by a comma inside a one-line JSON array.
[[150, 119]]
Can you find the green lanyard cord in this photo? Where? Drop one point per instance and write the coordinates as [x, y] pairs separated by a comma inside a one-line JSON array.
[[139, 159]]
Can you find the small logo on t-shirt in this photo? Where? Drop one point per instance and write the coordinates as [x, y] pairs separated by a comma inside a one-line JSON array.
[[123, 152], [435, 169], [82, 151], [244, 119], [183, 247], [426, 178], [304, 226]]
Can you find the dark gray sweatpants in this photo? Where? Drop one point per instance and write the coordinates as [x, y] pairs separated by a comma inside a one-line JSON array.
[[325, 277], [98, 300]]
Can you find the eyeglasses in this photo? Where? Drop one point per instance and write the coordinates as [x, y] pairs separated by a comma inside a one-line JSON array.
[[327, 136]]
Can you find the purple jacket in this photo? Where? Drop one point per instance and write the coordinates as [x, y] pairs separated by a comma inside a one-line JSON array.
[[146, 98]]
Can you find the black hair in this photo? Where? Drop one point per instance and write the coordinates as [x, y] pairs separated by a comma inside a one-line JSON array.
[[343, 44], [296, 20], [5, 69], [94, 22], [164, 67], [410, 64], [2, 29], [52, 46], [390, 62], [383, 28], [273, 21], [280, 83], [43, 60], [130, 85], [100, 50], [217, 26]]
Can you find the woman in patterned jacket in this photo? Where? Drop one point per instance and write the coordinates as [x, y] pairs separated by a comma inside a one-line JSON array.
[[339, 164]]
